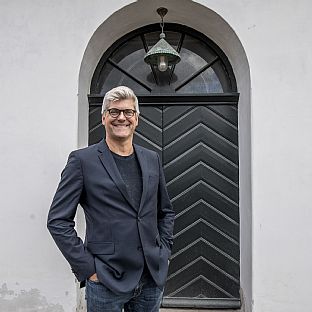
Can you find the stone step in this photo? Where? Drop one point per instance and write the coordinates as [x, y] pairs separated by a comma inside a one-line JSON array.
[[196, 310]]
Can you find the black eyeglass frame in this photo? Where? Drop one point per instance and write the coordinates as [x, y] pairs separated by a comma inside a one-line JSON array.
[[128, 112]]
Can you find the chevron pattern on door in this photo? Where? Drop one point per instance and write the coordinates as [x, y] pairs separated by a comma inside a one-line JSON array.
[[199, 149]]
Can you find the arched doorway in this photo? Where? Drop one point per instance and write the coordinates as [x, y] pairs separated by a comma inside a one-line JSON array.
[[189, 116]]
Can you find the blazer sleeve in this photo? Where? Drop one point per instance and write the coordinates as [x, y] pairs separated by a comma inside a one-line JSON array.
[[165, 212], [61, 220]]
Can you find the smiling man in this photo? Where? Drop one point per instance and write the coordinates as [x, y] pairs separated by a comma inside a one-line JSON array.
[[129, 217]]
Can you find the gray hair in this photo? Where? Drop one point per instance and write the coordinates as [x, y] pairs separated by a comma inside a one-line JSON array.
[[117, 94]]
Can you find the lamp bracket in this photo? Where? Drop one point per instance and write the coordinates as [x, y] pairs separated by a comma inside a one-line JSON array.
[[162, 12]]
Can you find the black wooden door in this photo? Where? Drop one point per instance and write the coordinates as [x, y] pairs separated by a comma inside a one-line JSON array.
[[198, 145], [189, 116]]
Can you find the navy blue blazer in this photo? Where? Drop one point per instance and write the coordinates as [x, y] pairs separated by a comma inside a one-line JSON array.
[[118, 236]]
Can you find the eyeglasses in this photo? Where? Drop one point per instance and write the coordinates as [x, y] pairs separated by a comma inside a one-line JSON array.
[[115, 112]]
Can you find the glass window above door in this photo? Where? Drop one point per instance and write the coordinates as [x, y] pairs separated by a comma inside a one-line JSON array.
[[203, 69]]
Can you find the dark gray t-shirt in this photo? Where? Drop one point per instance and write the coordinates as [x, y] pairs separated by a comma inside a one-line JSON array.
[[131, 173]]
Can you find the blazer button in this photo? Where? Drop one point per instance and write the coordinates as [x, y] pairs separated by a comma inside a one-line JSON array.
[[140, 248], [139, 219]]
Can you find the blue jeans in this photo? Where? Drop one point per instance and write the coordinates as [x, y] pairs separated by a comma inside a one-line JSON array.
[[146, 297]]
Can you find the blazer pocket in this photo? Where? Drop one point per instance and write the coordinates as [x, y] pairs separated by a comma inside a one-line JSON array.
[[106, 248]]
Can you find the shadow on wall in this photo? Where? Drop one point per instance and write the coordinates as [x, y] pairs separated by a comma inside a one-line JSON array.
[[25, 301]]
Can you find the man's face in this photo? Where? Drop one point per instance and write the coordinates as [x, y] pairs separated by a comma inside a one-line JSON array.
[[120, 128]]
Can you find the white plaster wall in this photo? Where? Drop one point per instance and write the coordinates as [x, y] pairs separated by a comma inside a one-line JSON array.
[[278, 43], [41, 47]]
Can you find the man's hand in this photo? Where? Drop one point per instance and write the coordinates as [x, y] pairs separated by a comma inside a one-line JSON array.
[[93, 278]]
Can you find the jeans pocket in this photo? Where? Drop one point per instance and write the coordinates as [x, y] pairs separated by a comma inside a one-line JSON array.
[[97, 282]]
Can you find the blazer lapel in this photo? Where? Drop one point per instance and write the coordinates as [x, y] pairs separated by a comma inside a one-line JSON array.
[[109, 164], [144, 169]]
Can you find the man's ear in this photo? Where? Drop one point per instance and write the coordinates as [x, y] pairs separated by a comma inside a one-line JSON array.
[[103, 119]]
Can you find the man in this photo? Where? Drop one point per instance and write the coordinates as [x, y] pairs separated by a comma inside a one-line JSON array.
[[129, 218]]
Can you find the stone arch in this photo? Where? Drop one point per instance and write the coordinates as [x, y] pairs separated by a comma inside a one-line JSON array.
[[217, 29]]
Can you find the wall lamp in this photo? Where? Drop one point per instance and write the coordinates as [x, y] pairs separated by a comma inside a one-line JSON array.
[[162, 54]]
